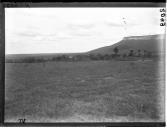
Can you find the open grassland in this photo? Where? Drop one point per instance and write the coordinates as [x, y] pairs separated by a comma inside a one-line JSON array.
[[84, 91]]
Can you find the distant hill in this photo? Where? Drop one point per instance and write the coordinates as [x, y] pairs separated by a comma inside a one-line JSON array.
[[39, 56], [152, 43]]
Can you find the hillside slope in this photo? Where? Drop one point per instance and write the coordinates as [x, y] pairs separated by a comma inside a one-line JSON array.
[[152, 43]]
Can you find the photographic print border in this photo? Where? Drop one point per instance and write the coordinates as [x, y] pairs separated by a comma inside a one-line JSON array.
[[62, 4]]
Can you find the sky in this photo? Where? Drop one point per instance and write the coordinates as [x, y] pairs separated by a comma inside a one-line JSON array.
[[71, 30]]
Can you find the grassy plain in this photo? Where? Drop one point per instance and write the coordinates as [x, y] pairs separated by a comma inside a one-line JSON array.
[[84, 91]]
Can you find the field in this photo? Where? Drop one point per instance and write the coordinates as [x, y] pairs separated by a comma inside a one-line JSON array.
[[85, 91]]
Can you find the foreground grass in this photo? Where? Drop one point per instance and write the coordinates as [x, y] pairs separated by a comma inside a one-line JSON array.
[[83, 91]]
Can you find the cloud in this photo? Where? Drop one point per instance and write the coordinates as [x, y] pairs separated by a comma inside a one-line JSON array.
[[119, 24], [83, 34], [39, 35], [112, 24], [122, 21], [81, 28], [81, 24], [28, 34], [54, 36]]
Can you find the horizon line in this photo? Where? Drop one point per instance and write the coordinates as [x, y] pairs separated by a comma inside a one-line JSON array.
[[78, 52]]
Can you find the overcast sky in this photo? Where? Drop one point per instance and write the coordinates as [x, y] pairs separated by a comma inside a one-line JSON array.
[[66, 30]]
